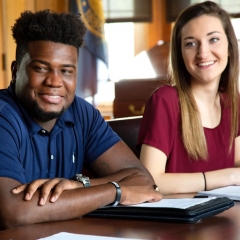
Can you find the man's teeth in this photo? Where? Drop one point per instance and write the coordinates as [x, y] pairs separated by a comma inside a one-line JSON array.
[[53, 96], [206, 64]]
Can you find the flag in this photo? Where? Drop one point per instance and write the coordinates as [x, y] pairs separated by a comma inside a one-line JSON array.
[[94, 48]]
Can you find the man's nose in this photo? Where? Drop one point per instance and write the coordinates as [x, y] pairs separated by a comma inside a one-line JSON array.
[[54, 79]]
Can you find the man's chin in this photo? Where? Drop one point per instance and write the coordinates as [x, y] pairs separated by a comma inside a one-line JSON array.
[[44, 115], [41, 113]]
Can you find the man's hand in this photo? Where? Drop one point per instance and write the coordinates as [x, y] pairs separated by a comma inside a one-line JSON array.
[[51, 188], [137, 188]]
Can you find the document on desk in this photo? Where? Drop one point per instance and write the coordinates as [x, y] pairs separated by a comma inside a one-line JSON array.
[[73, 236], [187, 210], [232, 192], [180, 203]]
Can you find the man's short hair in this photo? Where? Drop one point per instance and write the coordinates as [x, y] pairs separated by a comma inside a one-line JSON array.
[[46, 25]]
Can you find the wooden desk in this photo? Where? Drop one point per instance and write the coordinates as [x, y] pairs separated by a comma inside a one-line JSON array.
[[225, 225]]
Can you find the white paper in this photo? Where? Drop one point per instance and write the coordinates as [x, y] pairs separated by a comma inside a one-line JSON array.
[[181, 203], [72, 236], [232, 192]]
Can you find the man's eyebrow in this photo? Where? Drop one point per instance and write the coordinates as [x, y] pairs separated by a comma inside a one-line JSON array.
[[210, 33], [69, 65], [48, 64], [40, 61]]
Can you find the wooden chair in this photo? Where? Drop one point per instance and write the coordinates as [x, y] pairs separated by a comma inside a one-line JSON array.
[[127, 128]]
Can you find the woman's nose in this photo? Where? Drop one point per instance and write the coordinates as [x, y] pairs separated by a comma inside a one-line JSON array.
[[203, 51]]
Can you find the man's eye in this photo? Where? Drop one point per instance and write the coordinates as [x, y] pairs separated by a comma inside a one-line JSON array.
[[66, 71], [38, 68]]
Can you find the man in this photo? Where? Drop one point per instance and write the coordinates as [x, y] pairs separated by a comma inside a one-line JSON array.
[[48, 134]]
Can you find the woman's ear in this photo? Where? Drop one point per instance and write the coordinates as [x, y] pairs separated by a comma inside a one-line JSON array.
[[14, 71]]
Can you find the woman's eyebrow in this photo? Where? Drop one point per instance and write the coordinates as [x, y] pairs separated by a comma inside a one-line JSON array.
[[210, 33]]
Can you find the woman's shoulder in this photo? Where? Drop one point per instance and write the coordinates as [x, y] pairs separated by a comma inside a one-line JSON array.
[[166, 93]]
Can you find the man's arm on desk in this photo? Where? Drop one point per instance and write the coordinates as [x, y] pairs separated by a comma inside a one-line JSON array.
[[135, 182]]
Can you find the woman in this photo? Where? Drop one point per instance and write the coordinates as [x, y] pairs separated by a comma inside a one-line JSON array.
[[189, 136]]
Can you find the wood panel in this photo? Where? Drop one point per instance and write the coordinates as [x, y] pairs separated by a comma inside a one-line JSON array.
[[9, 14], [159, 28], [56, 5], [147, 35]]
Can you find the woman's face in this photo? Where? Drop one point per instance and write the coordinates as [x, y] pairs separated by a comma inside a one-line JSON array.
[[204, 48]]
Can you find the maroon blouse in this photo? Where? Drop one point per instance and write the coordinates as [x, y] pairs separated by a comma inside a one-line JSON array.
[[161, 128]]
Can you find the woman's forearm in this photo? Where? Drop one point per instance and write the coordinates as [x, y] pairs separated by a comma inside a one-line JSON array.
[[170, 183]]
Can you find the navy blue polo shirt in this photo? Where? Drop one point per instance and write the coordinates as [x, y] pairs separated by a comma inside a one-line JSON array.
[[28, 152]]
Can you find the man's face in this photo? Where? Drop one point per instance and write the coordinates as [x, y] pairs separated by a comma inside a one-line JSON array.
[[46, 79]]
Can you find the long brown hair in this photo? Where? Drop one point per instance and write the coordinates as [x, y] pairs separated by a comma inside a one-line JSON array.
[[192, 131]]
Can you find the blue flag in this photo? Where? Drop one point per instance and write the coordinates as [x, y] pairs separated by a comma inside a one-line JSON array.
[[94, 48]]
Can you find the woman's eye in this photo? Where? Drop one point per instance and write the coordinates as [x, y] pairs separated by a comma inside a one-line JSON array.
[[191, 44], [214, 40]]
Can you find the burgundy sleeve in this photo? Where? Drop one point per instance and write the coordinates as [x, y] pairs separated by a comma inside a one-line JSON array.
[[159, 123]]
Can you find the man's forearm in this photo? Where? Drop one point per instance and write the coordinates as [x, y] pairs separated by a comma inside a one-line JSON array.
[[71, 204], [73, 201], [120, 175]]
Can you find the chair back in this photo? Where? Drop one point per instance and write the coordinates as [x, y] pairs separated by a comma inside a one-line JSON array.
[[127, 129]]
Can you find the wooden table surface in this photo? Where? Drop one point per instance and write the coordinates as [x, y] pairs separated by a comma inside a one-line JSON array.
[[224, 226]]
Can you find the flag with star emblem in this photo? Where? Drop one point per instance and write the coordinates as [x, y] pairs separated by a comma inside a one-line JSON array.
[[94, 48]]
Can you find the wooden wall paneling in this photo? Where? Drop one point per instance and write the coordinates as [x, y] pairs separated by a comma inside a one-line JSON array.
[[56, 5], [141, 37], [148, 34], [159, 28], [9, 14], [29, 5]]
